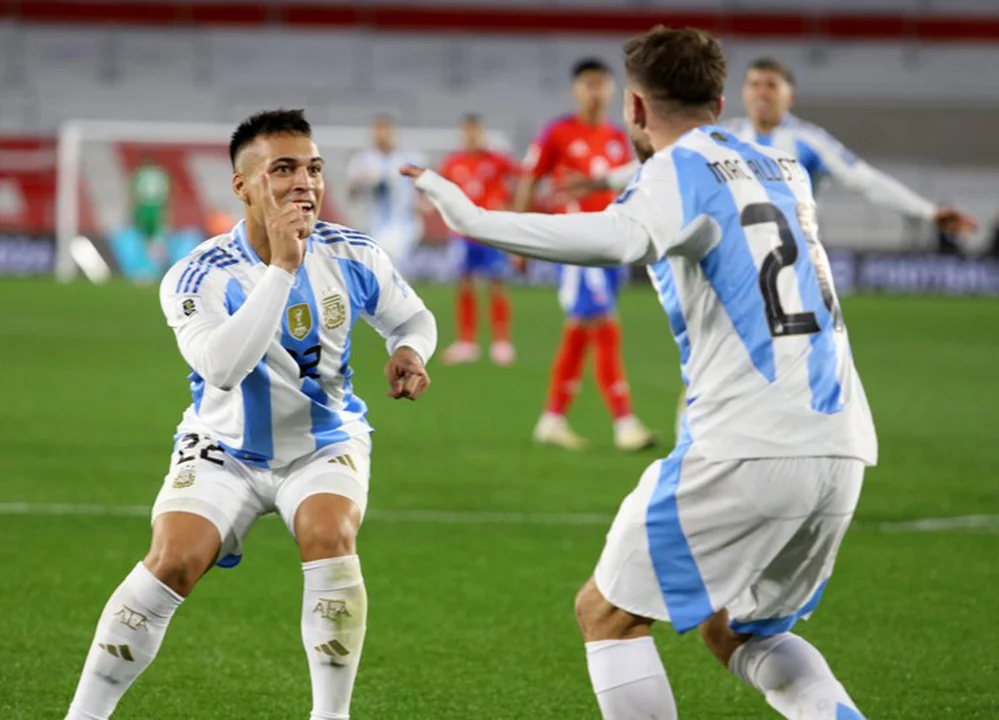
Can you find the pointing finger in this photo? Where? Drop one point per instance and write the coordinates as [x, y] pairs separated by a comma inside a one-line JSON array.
[[270, 201]]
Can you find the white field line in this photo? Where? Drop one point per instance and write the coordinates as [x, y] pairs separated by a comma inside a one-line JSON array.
[[987, 523]]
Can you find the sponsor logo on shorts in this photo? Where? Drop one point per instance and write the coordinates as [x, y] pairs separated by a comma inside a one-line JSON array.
[[334, 311], [188, 307], [184, 478], [299, 320]]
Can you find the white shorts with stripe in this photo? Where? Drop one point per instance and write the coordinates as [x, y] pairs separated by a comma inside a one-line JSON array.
[[205, 480], [756, 537]]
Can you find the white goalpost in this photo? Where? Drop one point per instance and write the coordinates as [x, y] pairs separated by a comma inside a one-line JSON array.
[[91, 171]]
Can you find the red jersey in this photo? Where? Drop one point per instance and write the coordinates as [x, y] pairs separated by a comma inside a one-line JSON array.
[[483, 176], [568, 143]]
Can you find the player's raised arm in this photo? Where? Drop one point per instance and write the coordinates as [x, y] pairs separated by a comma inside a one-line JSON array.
[[882, 189], [602, 238], [222, 348]]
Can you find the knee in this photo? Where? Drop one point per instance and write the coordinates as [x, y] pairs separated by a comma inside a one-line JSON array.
[[176, 566], [598, 619], [327, 537]]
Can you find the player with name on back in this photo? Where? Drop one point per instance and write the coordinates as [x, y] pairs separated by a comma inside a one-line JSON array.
[[484, 175], [264, 315], [584, 142], [736, 531]]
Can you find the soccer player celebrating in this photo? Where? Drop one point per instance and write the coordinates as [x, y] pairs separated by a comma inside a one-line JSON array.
[[393, 214], [585, 143], [737, 530], [484, 175], [263, 315]]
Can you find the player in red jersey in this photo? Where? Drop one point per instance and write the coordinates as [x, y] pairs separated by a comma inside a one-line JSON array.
[[584, 142], [484, 175]]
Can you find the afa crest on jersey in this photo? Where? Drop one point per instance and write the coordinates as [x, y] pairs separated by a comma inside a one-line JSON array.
[[334, 311], [184, 478], [299, 321]]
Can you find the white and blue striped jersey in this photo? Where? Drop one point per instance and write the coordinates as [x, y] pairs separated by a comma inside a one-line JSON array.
[[392, 208], [299, 397], [822, 156], [749, 294]]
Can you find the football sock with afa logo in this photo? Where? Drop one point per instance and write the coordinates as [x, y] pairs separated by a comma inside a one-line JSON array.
[[334, 618], [129, 634]]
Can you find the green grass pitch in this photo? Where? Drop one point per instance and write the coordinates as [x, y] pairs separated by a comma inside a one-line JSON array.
[[474, 620]]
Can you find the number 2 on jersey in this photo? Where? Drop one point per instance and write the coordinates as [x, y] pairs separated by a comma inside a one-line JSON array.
[[784, 255]]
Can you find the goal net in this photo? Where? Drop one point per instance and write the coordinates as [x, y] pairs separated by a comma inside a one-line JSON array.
[[96, 230]]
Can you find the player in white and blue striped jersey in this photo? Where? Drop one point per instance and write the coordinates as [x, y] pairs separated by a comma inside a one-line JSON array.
[[392, 214], [737, 530], [768, 94], [264, 317]]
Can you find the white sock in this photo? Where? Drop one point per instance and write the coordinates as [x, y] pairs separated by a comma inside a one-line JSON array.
[[794, 677], [629, 680], [128, 636], [334, 618]]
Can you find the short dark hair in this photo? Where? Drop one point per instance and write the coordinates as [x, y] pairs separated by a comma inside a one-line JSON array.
[[589, 64], [267, 122], [679, 69], [772, 64], [472, 118]]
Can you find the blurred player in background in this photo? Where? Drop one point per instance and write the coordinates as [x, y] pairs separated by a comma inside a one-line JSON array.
[[485, 176], [736, 532], [150, 196], [584, 142], [263, 316], [768, 94], [392, 211]]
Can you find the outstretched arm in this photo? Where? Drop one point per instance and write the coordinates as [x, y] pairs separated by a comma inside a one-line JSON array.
[[603, 238], [881, 189]]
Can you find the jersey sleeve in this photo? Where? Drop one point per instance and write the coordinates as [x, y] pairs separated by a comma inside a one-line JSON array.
[[652, 199], [855, 174], [542, 155], [220, 341], [390, 303], [594, 238], [360, 168]]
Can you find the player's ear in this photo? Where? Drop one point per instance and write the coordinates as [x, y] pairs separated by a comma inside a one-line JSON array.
[[639, 111], [721, 107], [239, 188]]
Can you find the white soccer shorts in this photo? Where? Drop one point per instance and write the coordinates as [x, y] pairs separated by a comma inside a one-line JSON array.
[[205, 480], [756, 537]]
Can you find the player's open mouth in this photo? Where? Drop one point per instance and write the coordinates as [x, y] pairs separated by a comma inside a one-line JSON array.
[[305, 206]]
